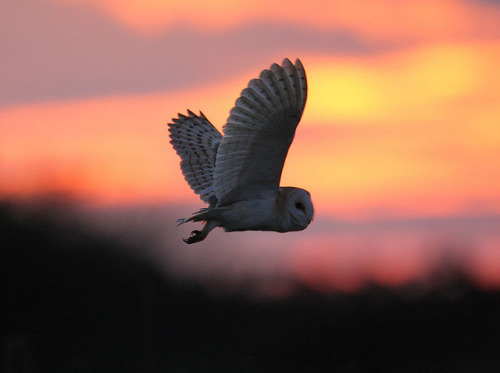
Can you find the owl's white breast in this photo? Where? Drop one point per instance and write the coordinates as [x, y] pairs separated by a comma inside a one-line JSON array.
[[257, 214]]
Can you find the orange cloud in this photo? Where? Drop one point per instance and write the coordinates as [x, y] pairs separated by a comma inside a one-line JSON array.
[[111, 149]]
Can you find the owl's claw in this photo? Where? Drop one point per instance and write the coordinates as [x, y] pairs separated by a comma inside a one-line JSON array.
[[196, 236]]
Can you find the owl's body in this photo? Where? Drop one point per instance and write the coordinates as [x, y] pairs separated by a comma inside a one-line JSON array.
[[238, 174], [253, 215]]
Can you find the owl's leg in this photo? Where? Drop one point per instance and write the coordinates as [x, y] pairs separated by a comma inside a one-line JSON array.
[[197, 236]]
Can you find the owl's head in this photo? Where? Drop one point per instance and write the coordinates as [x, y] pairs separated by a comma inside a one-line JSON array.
[[299, 209]]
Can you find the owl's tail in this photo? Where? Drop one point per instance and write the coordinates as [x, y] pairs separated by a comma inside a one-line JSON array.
[[207, 214], [196, 141]]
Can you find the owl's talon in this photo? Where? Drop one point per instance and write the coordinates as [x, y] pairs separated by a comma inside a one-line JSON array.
[[195, 236]]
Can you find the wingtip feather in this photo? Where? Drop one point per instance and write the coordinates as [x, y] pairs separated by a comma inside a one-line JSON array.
[[286, 63], [298, 64]]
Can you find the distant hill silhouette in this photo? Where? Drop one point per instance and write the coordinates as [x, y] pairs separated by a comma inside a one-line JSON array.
[[73, 300]]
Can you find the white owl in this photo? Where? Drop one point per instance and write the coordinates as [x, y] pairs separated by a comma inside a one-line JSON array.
[[238, 174]]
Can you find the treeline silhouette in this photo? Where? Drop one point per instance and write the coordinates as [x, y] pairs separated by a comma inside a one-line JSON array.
[[75, 300]]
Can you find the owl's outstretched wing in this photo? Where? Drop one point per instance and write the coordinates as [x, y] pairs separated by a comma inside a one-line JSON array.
[[258, 133], [196, 140]]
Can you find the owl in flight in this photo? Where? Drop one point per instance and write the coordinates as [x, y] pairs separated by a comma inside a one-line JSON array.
[[238, 174]]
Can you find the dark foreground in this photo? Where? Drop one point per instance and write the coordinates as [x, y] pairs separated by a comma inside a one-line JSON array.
[[71, 300]]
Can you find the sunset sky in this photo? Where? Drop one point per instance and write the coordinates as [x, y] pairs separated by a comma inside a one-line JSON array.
[[401, 122]]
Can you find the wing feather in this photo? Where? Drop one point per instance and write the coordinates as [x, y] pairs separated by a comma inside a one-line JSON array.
[[258, 133]]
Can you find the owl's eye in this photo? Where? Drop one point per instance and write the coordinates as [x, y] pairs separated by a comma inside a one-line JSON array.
[[300, 206]]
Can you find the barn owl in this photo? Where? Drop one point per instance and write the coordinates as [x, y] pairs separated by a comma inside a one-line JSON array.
[[238, 174]]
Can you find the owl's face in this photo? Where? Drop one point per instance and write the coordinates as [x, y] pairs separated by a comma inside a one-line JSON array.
[[300, 209]]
